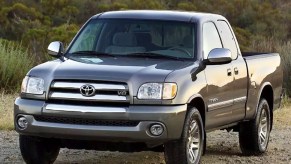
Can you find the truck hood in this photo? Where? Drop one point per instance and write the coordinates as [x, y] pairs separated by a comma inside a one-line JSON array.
[[133, 71]]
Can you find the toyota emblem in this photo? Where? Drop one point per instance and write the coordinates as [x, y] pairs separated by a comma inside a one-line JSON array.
[[87, 90]]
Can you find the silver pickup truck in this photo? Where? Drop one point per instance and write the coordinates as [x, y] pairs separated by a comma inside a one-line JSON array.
[[148, 80]]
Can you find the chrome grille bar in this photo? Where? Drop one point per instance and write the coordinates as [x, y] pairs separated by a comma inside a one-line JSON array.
[[97, 97], [84, 109]]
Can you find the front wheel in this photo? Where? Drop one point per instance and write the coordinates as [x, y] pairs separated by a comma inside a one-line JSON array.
[[254, 135], [38, 150], [189, 148]]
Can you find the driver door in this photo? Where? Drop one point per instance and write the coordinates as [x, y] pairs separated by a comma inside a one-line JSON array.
[[219, 79]]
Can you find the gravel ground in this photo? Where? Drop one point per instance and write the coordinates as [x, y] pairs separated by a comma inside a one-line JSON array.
[[222, 147]]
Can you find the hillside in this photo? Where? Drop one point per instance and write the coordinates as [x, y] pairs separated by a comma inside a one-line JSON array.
[[260, 25]]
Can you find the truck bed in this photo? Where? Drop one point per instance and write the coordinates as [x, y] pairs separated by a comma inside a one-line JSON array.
[[263, 69], [245, 54]]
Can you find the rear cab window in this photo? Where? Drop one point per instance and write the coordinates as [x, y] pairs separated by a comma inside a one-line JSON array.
[[211, 38], [227, 38]]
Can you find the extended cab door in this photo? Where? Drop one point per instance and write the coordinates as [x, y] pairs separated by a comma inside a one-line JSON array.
[[239, 69], [219, 77]]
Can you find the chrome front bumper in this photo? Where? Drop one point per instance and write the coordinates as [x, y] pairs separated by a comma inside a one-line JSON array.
[[170, 117]]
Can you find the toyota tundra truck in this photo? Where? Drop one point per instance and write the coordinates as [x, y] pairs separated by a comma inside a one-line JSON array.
[[148, 80]]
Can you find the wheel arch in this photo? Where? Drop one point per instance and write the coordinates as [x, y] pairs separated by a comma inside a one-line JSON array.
[[198, 102], [268, 94]]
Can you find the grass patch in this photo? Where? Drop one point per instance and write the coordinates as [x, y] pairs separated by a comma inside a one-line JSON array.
[[14, 64], [6, 111], [282, 116]]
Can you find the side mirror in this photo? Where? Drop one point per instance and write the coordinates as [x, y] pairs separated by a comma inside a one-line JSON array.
[[56, 49], [219, 56]]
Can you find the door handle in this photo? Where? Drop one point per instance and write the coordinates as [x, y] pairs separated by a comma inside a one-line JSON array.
[[229, 72], [235, 70]]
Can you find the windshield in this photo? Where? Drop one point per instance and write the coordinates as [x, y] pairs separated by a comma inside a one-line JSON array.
[[130, 38]]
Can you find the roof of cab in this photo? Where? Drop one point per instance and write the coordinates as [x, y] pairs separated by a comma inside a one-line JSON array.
[[170, 15]]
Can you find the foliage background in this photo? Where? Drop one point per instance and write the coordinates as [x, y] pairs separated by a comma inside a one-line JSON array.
[[260, 25]]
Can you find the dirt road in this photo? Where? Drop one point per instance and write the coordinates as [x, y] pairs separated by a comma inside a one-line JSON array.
[[222, 147]]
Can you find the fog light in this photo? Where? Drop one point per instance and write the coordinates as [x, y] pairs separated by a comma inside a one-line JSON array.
[[22, 122], [156, 129]]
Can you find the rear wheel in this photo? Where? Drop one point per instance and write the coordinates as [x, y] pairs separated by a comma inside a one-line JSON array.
[[189, 148], [254, 135], [38, 150]]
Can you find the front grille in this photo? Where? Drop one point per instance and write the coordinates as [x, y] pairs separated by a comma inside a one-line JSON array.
[[81, 121], [104, 92]]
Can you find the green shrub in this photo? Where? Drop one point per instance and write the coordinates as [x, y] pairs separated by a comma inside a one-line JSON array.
[[285, 51], [14, 64]]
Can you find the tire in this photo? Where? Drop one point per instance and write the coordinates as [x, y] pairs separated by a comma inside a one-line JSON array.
[[35, 150], [254, 135], [178, 151]]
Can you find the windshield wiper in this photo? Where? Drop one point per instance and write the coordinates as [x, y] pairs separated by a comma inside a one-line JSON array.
[[152, 55], [91, 53]]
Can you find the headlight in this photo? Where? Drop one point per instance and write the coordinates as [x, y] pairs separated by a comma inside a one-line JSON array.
[[150, 91], [157, 91], [32, 85]]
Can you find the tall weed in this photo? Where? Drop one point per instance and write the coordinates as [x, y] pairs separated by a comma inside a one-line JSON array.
[[6, 111], [14, 64]]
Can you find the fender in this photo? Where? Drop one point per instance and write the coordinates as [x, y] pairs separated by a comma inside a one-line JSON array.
[[193, 97], [197, 96], [253, 115]]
